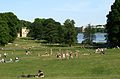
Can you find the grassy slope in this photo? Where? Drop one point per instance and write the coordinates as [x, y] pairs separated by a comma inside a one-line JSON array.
[[93, 66]]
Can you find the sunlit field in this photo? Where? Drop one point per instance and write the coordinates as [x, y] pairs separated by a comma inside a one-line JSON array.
[[88, 65]]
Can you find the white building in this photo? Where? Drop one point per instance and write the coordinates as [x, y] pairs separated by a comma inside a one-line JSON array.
[[99, 26], [94, 26], [23, 32]]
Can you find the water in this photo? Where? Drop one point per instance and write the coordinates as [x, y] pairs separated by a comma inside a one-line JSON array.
[[80, 37], [100, 37]]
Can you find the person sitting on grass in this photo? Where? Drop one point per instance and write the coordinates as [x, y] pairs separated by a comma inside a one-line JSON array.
[[16, 59], [2, 60], [11, 60], [40, 74], [5, 54]]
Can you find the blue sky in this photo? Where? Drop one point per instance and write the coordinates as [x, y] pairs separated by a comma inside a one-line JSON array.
[[82, 12]]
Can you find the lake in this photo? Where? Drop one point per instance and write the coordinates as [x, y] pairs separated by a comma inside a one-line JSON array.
[[100, 37]]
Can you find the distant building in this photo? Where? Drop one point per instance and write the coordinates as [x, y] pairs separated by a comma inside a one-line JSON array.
[[99, 26], [93, 26], [83, 29], [18, 35], [24, 32]]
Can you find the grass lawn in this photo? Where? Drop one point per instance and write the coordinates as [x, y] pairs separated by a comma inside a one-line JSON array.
[[94, 66]]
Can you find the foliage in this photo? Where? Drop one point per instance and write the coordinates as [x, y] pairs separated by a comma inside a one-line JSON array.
[[70, 32], [25, 23], [9, 27], [79, 29], [89, 35], [96, 29], [52, 31], [113, 24], [99, 30], [45, 29], [4, 33], [37, 29]]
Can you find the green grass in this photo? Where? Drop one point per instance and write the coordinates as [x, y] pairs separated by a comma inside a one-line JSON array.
[[94, 66]]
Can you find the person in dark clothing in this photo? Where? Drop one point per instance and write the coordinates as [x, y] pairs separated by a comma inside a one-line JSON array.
[[40, 74]]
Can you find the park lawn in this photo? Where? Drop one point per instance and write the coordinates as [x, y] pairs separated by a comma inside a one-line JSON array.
[[94, 66]]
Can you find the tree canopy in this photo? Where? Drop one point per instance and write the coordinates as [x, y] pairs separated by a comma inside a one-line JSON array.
[[41, 29], [70, 32], [4, 33], [53, 32], [113, 24], [8, 27]]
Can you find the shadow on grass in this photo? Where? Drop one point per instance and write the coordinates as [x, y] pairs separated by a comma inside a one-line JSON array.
[[93, 46], [55, 45], [26, 38], [45, 43]]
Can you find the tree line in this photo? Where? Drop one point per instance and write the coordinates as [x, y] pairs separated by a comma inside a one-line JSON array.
[[41, 29], [53, 32]]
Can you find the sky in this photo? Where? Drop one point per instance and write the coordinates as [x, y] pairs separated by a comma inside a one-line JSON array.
[[83, 12]]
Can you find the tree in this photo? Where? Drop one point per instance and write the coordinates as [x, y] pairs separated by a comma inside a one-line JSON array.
[[4, 33], [37, 29], [8, 27], [88, 35], [70, 32], [12, 22], [79, 29], [24, 23], [46, 29], [51, 30], [54, 32], [61, 34], [113, 24]]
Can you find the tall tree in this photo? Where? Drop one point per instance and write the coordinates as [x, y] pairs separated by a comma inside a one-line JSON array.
[[88, 35], [113, 24], [50, 28], [70, 32]]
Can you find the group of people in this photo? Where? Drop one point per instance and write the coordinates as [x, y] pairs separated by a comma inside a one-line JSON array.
[[27, 52], [67, 55], [4, 58], [100, 51]]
